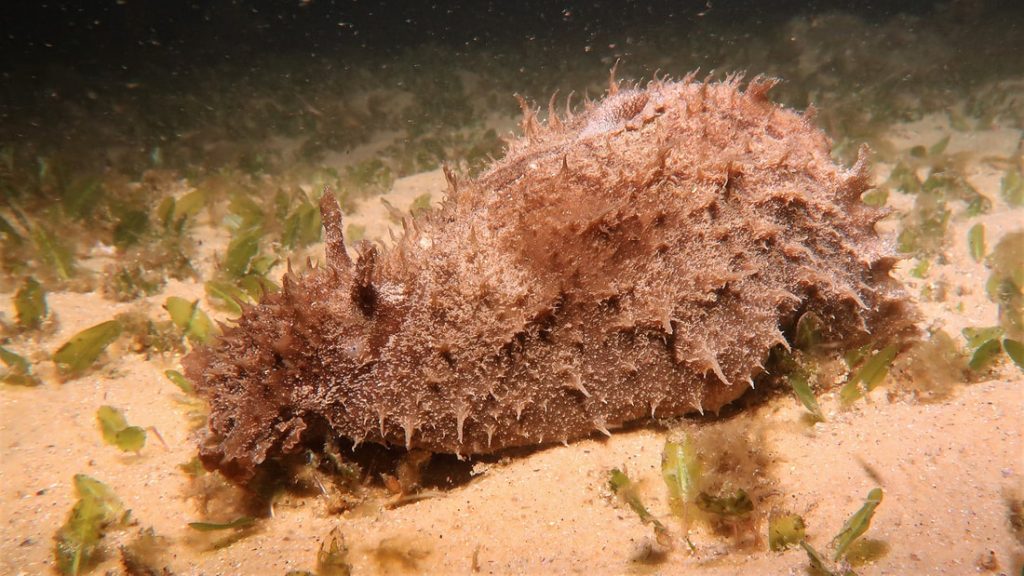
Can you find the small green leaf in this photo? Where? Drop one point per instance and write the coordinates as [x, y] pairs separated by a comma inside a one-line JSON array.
[[798, 382], [8, 230], [870, 374], [857, 524], [241, 250], [875, 197], [82, 350], [939, 147], [187, 316], [985, 355], [420, 205], [817, 561], [179, 380], [19, 371], [1015, 350], [117, 432], [30, 304], [54, 252], [250, 214], [236, 524], [785, 531], [131, 439], [302, 227], [226, 296], [681, 470], [81, 197], [193, 467], [97, 510], [905, 179], [1012, 187], [130, 229], [738, 504], [977, 336], [165, 213], [920, 270], [808, 332], [625, 489], [188, 205], [976, 242]]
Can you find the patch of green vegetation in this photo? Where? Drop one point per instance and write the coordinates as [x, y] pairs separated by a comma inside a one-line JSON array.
[[808, 332], [83, 349], [117, 432], [152, 247], [370, 177], [226, 296], [785, 531], [420, 205], [190, 319], [131, 228], [904, 178], [193, 468], [1015, 350], [681, 470], [18, 370], [1012, 187], [871, 372], [875, 197], [798, 372], [150, 336], [976, 242], [985, 355], [622, 486], [54, 252], [735, 504], [30, 304], [302, 226], [924, 226], [124, 282], [856, 525], [179, 380], [1005, 285], [842, 543], [81, 197], [97, 511], [986, 345]]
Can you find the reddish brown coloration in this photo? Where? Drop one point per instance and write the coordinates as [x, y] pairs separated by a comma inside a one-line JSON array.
[[639, 259]]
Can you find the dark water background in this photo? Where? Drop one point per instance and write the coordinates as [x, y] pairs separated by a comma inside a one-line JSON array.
[[141, 73]]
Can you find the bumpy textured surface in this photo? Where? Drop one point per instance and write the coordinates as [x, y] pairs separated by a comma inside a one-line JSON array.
[[638, 259]]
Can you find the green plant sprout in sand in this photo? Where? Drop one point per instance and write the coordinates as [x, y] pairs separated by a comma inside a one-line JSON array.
[[854, 528], [622, 486], [117, 432], [98, 510], [83, 349]]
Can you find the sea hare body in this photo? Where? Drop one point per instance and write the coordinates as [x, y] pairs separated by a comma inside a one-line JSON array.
[[638, 259]]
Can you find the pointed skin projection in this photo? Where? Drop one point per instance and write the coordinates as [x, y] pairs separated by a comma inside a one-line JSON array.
[[636, 260]]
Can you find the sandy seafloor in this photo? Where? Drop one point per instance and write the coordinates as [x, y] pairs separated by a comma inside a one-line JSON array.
[[948, 467]]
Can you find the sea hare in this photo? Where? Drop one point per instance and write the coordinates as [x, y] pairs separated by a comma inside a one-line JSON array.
[[638, 259]]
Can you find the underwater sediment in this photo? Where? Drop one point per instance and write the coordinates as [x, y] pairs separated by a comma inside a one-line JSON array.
[[638, 259]]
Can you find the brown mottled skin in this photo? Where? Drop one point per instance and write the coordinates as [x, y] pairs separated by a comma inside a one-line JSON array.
[[639, 259]]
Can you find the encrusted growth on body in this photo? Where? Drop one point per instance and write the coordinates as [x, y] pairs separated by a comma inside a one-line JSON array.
[[639, 259]]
